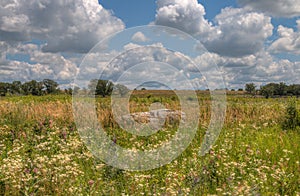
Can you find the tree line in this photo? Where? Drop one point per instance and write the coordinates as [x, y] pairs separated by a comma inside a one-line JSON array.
[[105, 88], [38, 88], [273, 89], [32, 87]]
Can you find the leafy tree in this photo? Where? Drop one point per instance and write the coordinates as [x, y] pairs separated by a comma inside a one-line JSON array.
[[69, 91], [121, 90], [268, 90], [272, 89], [50, 86], [250, 88], [293, 89], [281, 89], [33, 88], [3, 88], [101, 87], [16, 87]]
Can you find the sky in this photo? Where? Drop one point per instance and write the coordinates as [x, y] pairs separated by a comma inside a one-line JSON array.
[[250, 41]]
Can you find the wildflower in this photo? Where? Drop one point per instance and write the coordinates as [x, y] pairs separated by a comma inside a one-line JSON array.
[[91, 182]]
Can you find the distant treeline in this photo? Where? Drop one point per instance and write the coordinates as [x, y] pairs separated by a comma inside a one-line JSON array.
[[32, 87], [274, 90], [47, 86], [105, 88]]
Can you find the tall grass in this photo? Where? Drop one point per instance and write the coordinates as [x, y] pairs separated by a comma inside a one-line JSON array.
[[42, 153], [292, 116]]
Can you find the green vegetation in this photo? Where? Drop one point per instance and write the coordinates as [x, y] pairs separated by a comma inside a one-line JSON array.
[[292, 117], [274, 90], [32, 87], [42, 153], [250, 88]]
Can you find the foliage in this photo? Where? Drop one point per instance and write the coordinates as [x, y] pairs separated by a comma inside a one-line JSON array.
[[121, 90], [274, 89], [292, 117], [50, 86], [293, 89], [267, 90], [250, 88], [32, 87], [42, 153], [101, 87]]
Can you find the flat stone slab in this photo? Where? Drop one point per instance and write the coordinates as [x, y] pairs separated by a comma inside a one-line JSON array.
[[157, 116]]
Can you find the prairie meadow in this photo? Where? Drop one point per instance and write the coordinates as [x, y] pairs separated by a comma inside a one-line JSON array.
[[43, 154]]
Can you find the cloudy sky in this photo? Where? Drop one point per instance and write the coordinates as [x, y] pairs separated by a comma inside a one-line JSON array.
[[250, 40]]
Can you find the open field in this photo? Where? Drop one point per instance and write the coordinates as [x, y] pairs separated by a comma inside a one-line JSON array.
[[42, 153]]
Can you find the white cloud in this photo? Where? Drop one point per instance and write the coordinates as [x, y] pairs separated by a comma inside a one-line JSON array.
[[288, 41], [46, 65], [72, 26], [3, 48], [139, 37], [260, 69], [242, 33], [277, 8], [61, 69], [65, 26], [238, 32], [185, 15]]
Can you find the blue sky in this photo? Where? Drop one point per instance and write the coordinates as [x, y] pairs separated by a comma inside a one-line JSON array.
[[251, 41], [133, 12], [139, 12]]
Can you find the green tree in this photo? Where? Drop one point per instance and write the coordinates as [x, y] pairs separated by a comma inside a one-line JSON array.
[[250, 88], [33, 88], [3, 88], [281, 89], [50, 86], [121, 90], [101, 87], [268, 90], [16, 87], [69, 91], [293, 89]]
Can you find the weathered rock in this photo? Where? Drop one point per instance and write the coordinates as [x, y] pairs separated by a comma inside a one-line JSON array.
[[153, 116]]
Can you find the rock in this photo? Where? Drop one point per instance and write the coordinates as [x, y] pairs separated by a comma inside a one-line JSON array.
[[157, 116]]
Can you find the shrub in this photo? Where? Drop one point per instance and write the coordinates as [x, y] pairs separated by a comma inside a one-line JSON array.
[[291, 120]]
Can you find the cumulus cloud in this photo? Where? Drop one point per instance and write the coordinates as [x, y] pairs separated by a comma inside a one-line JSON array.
[[238, 32], [241, 33], [66, 26], [42, 65], [61, 68], [288, 41], [139, 37], [61, 26], [260, 69], [185, 15], [24, 71], [277, 8], [266, 69]]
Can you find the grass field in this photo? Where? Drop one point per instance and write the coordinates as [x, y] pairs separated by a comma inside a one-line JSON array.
[[42, 153]]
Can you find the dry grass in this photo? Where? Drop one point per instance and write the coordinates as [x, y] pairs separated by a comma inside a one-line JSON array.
[[42, 154]]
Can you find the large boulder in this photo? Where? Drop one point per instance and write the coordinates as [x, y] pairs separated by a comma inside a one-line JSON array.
[[156, 117]]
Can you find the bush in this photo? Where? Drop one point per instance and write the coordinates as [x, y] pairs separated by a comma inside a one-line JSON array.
[[292, 120]]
